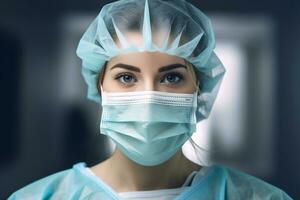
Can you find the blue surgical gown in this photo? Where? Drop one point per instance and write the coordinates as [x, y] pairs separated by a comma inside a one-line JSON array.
[[219, 183]]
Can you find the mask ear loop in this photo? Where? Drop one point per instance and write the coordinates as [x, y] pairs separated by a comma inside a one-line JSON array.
[[102, 94], [101, 89], [101, 77], [195, 103]]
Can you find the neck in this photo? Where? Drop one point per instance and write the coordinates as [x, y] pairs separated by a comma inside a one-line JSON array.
[[170, 174]]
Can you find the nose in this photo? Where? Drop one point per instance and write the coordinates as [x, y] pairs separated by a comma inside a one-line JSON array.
[[150, 85]]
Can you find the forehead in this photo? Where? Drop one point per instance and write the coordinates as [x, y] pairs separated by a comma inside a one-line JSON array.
[[141, 59], [144, 58]]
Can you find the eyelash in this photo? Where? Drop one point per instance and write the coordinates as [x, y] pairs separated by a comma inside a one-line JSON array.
[[122, 75], [179, 77]]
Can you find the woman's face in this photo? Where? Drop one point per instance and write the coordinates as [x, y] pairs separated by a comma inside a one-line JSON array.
[[148, 71]]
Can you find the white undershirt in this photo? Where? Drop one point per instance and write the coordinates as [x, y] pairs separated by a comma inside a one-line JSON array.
[[161, 194], [164, 194]]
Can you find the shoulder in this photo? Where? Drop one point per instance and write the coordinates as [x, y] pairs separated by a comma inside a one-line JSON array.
[[60, 185], [36, 189], [245, 186]]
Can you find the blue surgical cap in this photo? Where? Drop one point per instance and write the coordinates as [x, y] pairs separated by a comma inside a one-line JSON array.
[[172, 27]]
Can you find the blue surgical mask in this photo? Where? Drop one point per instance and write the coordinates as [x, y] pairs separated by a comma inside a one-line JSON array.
[[149, 127]]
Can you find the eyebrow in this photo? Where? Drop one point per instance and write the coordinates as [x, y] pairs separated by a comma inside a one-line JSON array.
[[172, 66], [136, 69]]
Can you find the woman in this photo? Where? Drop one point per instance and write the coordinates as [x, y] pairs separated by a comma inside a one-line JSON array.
[[152, 67]]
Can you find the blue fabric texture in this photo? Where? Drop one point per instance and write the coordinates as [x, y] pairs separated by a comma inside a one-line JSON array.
[[149, 127], [219, 183]]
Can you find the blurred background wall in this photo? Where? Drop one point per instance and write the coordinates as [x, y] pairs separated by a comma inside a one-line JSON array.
[[47, 125]]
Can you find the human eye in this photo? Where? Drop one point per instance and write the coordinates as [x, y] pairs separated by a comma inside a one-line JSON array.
[[172, 78], [125, 78]]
